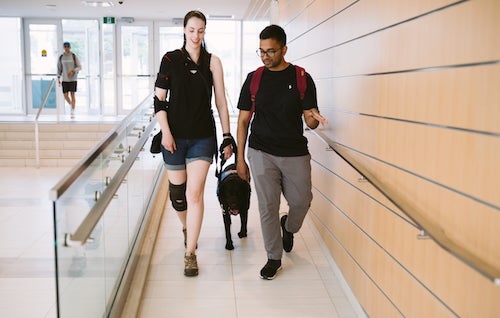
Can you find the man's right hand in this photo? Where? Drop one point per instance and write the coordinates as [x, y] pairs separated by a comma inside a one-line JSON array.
[[243, 171]]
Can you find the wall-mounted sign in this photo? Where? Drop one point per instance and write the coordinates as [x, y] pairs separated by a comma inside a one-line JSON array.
[[109, 20], [44, 53]]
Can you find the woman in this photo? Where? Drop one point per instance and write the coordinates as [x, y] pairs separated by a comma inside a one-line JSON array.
[[186, 76]]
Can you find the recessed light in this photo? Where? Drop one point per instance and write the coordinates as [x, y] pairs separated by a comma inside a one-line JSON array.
[[97, 3], [221, 16]]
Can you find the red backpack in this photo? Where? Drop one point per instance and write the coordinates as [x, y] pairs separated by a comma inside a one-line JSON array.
[[257, 76]]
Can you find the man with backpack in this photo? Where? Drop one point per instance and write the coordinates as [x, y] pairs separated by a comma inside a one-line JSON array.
[[280, 97], [68, 66]]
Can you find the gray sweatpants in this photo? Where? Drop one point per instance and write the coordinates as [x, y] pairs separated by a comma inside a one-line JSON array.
[[272, 176]]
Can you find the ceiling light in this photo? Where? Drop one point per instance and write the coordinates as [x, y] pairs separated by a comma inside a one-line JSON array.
[[97, 3], [221, 16]]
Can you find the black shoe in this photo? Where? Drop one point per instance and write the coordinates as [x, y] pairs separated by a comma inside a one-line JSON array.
[[287, 236], [270, 270]]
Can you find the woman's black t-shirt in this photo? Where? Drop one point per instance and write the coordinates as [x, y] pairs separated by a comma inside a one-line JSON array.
[[190, 93], [277, 127]]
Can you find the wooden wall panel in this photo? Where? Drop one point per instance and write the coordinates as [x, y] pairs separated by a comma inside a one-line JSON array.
[[343, 170], [465, 97], [374, 301], [431, 152], [387, 274], [441, 273], [410, 88], [350, 20], [422, 43]]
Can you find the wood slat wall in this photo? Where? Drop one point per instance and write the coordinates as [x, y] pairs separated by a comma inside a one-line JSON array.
[[411, 90]]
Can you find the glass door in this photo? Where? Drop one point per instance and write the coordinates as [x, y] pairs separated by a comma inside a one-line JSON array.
[[135, 78], [84, 38], [42, 47]]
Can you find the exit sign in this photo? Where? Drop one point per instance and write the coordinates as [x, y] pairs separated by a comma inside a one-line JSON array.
[[109, 20]]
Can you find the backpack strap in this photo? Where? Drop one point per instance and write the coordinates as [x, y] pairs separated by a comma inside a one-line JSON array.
[[301, 81], [300, 73], [254, 87], [74, 58]]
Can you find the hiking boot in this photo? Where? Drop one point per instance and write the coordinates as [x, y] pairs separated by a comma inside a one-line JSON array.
[[287, 236], [270, 270], [190, 265]]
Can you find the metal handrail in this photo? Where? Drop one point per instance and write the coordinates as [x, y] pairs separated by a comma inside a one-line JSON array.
[[37, 136], [88, 224], [58, 190], [427, 227]]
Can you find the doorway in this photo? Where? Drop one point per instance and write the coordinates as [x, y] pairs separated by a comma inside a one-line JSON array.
[[43, 46]]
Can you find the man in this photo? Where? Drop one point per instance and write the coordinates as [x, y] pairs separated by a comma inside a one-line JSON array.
[[68, 66], [277, 149]]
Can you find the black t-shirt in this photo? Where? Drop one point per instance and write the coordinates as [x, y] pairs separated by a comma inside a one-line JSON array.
[[277, 127], [190, 93]]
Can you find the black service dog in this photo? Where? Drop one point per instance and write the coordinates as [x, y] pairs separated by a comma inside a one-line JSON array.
[[234, 198]]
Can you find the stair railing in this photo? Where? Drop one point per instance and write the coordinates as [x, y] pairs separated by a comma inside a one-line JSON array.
[[37, 136]]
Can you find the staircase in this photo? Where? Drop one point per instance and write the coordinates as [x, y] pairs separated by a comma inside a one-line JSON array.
[[61, 144]]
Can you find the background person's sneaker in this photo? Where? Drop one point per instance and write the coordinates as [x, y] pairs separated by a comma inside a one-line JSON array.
[[270, 270], [287, 236]]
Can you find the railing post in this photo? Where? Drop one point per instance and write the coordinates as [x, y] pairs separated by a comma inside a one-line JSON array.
[[37, 138]]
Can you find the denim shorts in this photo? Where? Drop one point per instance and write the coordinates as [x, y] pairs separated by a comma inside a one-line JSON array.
[[189, 150]]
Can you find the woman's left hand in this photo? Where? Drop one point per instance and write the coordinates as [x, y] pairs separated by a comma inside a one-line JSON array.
[[228, 152], [226, 147]]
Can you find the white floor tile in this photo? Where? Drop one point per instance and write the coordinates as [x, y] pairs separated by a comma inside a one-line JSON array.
[[228, 284]]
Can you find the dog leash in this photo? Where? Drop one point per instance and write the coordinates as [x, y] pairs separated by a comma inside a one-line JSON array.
[[221, 151]]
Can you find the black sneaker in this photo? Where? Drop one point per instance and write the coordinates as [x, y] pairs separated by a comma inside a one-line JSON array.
[[287, 236], [270, 270]]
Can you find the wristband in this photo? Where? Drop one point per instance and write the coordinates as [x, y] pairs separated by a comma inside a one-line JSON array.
[[227, 135]]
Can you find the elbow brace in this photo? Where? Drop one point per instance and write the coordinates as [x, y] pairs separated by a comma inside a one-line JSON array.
[[160, 105]]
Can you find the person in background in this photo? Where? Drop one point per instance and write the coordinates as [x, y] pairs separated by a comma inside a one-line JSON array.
[[188, 143], [277, 148], [68, 66]]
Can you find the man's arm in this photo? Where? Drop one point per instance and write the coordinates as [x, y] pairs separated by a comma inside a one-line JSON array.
[[241, 137], [313, 118]]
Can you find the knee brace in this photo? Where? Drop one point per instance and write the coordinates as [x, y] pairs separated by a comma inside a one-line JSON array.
[[178, 196]]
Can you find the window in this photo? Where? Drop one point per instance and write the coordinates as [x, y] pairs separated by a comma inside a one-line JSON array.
[[11, 77]]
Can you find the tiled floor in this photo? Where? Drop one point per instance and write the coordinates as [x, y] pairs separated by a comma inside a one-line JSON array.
[[229, 285], [27, 284]]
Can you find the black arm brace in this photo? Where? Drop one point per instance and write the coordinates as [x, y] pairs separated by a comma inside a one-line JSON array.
[[160, 105]]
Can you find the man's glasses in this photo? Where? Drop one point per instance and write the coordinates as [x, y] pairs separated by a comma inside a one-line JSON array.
[[270, 52]]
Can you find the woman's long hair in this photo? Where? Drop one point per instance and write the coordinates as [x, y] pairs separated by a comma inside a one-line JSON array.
[[204, 55]]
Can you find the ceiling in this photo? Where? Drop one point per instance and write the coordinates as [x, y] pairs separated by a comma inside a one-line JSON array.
[[165, 10]]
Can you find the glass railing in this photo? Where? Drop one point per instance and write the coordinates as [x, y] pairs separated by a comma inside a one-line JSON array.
[[99, 208]]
